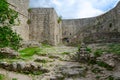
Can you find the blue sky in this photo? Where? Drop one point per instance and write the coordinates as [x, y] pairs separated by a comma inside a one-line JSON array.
[[76, 8]]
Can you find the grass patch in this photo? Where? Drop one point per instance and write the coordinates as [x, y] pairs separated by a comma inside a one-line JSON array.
[[66, 53], [2, 77], [14, 79], [114, 48], [28, 52], [103, 64], [98, 52]]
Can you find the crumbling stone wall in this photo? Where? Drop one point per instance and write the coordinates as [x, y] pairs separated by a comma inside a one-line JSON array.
[[103, 28], [44, 26], [21, 6]]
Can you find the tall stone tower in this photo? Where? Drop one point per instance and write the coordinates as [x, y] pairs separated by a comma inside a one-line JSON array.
[[44, 26]]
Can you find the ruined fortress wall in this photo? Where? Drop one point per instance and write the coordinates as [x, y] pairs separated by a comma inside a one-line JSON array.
[[103, 28], [44, 26], [21, 6]]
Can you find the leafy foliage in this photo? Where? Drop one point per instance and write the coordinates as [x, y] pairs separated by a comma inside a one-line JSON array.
[[59, 19], [8, 38], [8, 16]]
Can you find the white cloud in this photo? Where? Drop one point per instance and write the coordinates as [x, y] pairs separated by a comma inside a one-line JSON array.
[[86, 9], [76, 8]]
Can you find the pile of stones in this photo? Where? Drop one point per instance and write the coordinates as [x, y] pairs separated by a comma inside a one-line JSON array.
[[28, 68], [82, 55]]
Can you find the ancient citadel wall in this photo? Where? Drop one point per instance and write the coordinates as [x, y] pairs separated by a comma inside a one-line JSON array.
[[21, 6], [44, 26], [104, 28]]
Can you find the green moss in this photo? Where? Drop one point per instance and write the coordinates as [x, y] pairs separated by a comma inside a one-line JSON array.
[[28, 52]]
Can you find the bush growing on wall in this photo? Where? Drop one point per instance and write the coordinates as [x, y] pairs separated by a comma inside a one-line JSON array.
[[8, 38]]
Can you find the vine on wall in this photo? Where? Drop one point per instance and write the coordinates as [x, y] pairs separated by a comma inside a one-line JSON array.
[[8, 38]]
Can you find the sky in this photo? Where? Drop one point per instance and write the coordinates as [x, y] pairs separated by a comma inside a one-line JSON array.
[[72, 9]]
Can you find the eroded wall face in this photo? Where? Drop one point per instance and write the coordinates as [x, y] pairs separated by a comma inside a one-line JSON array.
[[104, 28], [44, 26], [21, 6]]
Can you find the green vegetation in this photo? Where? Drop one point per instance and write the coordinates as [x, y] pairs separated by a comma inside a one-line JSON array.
[[8, 16], [14, 79], [2, 77], [103, 64], [110, 78], [28, 21], [42, 61], [98, 52], [28, 52], [59, 19], [114, 48], [29, 10], [66, 53]]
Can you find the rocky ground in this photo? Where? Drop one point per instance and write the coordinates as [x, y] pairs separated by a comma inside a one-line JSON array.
[[57, 64]]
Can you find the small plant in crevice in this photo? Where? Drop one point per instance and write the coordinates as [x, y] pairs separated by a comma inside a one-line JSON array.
[[98, 52], [103, 64], [59, 19], [28, 21], [14, 79], [29, 10]]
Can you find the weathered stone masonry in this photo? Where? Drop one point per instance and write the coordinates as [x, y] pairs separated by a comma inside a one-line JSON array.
[[21, 6], [103, 28], [44, 26]]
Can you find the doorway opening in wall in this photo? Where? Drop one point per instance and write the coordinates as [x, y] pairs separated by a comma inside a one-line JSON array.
[[65, 40]]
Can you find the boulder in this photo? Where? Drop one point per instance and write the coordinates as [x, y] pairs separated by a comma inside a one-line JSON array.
[[108, 58], [8, 53], [21, 66]]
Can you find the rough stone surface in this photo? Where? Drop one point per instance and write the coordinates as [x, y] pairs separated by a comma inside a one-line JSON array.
[[44, 26], [8, 53], [103, 28], [21, 6], [26, 44], [108, 59]]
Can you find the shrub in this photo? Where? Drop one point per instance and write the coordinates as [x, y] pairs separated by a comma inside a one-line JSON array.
[[8, 16], [8, 38], [28, 21]]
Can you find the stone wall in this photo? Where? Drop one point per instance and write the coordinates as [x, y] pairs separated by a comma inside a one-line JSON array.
[[44, 26], [103, 28], [21, 6]]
